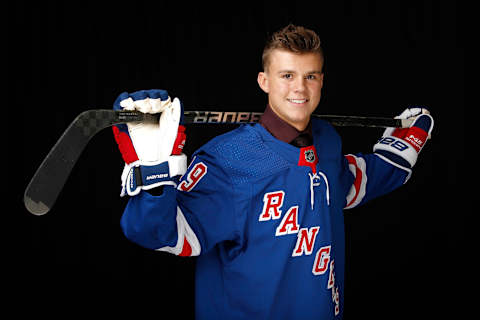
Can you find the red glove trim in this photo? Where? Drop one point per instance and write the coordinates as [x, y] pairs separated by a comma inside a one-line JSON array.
[[125, 145], [179, 141], [415, 136]]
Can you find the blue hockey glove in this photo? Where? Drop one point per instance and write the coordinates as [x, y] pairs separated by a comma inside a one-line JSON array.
[[402, 145]]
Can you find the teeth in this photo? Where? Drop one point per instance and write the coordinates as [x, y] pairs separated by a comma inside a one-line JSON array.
[[298, 100]]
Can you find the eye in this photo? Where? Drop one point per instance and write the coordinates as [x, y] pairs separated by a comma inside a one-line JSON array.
[[287, 76], [311, 77]]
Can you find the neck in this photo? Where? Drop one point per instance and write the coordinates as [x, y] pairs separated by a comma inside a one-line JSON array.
[[279, 128]]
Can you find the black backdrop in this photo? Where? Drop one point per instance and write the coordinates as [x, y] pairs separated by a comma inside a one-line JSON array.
[[404, 251]]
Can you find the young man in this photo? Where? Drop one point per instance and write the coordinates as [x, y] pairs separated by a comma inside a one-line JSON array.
[[261, 206]]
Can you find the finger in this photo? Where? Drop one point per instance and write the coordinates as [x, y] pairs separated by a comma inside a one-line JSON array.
[[128, 104], [158, 105]]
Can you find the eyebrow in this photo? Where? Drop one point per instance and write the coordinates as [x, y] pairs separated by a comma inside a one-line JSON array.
[[291, 71]]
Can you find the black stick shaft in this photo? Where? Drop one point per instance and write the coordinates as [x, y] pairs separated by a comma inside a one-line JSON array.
[[235, 117]]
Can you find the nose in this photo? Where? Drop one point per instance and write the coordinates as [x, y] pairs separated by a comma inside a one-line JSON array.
[[299, 85]]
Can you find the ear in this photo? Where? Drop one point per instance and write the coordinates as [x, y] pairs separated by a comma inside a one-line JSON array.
[[262, 80]]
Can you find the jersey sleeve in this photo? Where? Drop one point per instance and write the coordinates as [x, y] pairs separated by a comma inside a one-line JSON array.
[[373, 176], [188, 220]]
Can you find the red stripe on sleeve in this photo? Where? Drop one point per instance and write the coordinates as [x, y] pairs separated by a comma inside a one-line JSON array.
[[187, 249], [358, 178]]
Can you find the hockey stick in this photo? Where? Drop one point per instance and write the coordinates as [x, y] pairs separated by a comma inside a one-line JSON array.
[[252, 117], [50, 177]]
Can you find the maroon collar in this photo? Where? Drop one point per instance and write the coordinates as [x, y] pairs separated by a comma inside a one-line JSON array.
[[279, 128]]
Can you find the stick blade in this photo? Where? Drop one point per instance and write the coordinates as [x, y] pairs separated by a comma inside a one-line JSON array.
[[50, 177], [37, 208]]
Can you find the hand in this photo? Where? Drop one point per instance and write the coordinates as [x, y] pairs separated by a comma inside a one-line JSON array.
[[402, 145], [152, 151]]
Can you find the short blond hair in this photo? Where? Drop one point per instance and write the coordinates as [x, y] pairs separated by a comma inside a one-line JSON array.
[[296, 39]]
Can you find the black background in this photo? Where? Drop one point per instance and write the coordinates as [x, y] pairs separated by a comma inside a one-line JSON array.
[[405, 251]]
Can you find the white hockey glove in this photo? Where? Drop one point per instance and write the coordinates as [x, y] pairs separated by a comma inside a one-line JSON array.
[[402, 145], [152, 151]]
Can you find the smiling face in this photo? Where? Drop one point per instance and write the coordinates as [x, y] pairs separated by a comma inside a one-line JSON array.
[[293, 82]]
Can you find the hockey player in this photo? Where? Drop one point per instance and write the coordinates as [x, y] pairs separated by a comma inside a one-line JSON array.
[[261, 206]]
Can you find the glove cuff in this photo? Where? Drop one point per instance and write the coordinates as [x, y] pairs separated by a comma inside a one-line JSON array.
[[148, 175], [397, 150]]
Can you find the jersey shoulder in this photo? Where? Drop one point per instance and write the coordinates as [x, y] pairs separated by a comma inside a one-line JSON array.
[[243, 155], [326, 139]]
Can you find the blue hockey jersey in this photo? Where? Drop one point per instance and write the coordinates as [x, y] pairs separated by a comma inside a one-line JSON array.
[[265, 219]]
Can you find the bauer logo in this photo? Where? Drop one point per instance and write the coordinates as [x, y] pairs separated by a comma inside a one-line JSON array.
[[225, 117], [157, 176]]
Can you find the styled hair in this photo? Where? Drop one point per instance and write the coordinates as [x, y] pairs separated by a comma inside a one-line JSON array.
[[296, 39]]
